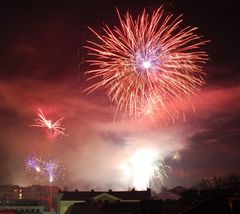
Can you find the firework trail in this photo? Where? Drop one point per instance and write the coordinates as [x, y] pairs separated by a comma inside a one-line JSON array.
[[51, 170], [147, 62], [44, 170], [160, 173], [53, 129]]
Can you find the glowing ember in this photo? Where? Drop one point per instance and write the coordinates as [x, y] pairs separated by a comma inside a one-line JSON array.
[[176, 156]]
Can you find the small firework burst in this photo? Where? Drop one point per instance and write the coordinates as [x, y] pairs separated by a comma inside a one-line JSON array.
[[44, 169], [53, 129]]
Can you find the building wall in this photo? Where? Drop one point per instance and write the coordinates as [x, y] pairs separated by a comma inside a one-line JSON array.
[[34, 192], [37, 192], [64, 205], [66, 199], [24, 209]]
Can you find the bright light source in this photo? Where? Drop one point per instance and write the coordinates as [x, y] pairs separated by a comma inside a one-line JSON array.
[[146, 64], [142, 167], [38, 169], [139, 168], [176, 156]]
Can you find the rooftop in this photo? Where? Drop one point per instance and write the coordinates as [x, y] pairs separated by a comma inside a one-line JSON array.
[[124, 195]]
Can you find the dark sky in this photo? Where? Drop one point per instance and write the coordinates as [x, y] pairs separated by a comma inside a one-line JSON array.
[[42, 66]]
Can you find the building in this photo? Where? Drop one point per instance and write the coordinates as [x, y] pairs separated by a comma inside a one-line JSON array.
[[66, 199], [178, 190], [166, 195], [10, 192], [21, 206], [34, 192], [117, 207], [46, 195]]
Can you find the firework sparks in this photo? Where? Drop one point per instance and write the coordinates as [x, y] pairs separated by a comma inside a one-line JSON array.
[[176, 156], [53, 129], [148, 58], [145, 168], [33, 165], [51, 169], [160, 173], [44, 170]]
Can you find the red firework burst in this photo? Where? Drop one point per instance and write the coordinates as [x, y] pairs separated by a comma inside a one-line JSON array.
[[53, 129], [147, 62]]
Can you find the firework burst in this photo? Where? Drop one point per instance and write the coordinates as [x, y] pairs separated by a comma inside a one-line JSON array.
[[53, 129], [147, 62], [145, 168], [159, 174], [44, 170]]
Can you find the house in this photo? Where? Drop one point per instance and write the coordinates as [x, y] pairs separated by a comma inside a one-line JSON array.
[[66, 199], [30, 193], [21, 206], [178, 190], [166, 195], [145, 206]]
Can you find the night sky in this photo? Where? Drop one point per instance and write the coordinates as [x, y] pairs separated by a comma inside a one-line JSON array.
[[42, 66]]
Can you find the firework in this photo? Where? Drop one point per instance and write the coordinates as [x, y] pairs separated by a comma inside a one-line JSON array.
[[33, 167], [53, 129], [160, 173], [147, 62], [176, 156], [43, 169], [51, 170], [145, 168]]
